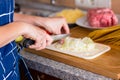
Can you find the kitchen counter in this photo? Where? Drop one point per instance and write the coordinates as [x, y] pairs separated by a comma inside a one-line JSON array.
[[66, 67], [58, 69]]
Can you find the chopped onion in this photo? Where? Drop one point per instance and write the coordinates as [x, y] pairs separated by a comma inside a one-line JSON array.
[[76, 44]]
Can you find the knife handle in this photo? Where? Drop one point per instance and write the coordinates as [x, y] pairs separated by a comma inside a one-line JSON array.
[[27, 42]]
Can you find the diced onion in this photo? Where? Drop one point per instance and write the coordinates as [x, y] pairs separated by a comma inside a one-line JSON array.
[[76, 44]]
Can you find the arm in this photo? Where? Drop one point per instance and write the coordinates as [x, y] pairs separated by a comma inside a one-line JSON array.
[[25, 18], [52, 25], [11, 31]]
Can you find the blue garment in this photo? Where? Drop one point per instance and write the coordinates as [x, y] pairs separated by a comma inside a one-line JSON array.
[[10, 59]]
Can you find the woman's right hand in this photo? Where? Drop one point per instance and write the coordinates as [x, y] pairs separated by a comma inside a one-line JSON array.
[[42, 39]]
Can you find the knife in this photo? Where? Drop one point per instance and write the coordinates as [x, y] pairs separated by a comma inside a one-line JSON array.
[[27, 42]]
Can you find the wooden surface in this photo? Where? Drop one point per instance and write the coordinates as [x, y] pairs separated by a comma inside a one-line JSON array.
[[107, 64]]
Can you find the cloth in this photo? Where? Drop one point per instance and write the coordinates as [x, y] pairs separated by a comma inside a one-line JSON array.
[[10, 59]]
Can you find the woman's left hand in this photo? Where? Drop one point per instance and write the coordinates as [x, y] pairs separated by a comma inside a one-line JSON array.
[[54, 25]]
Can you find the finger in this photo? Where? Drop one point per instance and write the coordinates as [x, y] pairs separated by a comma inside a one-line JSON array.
[[43, 45], [34, 46], [37, 44], [49, 40], [59, 31], [65, 28]]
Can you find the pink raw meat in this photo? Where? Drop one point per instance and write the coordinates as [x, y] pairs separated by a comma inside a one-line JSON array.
[[101, 17]]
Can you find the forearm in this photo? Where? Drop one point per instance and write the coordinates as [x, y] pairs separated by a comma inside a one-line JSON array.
[[52, 25], [10, 32], [22, 18]]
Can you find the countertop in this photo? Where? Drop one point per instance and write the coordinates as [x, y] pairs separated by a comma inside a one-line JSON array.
[[58, 69], [106, 64]]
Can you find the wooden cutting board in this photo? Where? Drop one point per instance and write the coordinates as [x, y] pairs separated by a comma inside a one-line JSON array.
[[107, 64]]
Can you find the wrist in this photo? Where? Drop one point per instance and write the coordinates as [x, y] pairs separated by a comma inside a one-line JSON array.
[[21, 27]]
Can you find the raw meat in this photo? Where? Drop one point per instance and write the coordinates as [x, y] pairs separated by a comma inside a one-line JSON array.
[[101, 17]]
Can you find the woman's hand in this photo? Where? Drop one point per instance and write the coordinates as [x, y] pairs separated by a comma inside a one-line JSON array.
[[15, 29], [53, 25], [42, 39]]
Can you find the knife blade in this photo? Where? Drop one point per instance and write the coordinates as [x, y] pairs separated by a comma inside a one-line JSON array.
[[59, 37], [27, 42]]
